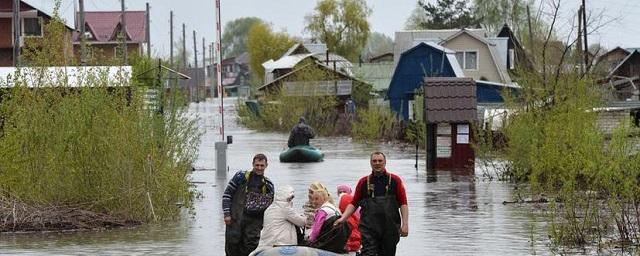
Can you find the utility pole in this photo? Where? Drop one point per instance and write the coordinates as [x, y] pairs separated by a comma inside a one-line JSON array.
[[195, 62], [123, 23], [16, 33], [184, 47], [220, 146], [148, 31], [171, 39], [579, 40], [211, 62], [533, 55], [204, 67], [83, 47], [584, 33]]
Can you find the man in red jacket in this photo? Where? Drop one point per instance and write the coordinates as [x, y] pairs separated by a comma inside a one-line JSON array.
[[353, 244], [380, 195]]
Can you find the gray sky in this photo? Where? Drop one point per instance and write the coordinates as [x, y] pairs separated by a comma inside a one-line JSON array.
[[288, 15]]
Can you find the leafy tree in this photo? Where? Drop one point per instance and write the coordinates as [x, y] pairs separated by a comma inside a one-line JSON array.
[[263, 44], [236, 33], [377, 44], [341, 24], [442, 15], [495, 13]]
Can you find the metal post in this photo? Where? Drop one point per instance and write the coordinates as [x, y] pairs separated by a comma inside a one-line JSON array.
[[148, 31], [171, 39], [204, 67], [584, 33], [17, 31], [195, 56], [221, 146], [83, 49], [123, 23], [219, 67]]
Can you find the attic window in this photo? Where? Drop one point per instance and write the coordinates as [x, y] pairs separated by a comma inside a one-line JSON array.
[[32, 27], [468, 60]]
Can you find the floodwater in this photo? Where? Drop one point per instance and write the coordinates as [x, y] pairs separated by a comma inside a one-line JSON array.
[[450, 213]]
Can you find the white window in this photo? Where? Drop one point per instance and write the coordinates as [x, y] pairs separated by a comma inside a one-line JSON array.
[[512, 58], [468, 60], [32, 27]]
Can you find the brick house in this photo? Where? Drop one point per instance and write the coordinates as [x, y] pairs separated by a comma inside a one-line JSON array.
[[33, 17], [102, 33]]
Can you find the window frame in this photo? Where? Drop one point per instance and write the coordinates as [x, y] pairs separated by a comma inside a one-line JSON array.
[[40, 22], [463, 65]]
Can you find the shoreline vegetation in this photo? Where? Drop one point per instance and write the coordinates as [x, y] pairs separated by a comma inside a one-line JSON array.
[[97, 156]]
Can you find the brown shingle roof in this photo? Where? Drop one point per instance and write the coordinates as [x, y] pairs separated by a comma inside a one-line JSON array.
[[450, 99]]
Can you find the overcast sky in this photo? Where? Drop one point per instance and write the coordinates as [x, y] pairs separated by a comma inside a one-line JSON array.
[[288, 15]]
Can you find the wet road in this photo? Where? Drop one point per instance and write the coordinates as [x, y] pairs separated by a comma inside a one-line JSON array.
[[457, 214]]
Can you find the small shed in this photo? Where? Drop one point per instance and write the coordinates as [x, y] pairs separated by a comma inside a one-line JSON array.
[[450, 110]]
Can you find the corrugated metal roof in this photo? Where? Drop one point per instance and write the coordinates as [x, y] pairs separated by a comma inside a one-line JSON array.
[[450, 99], [378, 74], [103, 24]]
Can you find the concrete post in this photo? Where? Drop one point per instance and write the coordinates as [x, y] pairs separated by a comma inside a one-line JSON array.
[[221, 157]]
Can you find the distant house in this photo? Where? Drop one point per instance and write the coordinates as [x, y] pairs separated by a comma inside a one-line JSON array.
[[516, 56], [432, 60], [33, 17], [624, 78], [103, 33], [424, 59], [282, 75], [610, 60], [480, 57], [235, 75], [303, 52]]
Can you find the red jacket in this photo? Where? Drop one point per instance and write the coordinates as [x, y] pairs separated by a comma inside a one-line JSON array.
[[353, 244]]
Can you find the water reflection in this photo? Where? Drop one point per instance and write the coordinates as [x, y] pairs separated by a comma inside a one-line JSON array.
[[451, 213]]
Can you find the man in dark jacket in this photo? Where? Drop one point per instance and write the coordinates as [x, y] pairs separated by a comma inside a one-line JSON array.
[[300, 134], [245, 198]]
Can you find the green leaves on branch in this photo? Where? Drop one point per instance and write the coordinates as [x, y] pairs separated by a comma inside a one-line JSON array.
[[341, 24]]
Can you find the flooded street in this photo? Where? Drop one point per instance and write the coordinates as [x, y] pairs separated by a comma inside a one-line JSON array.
[[457, 214]]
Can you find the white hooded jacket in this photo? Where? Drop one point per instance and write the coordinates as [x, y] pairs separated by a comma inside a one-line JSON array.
[[279, 221]]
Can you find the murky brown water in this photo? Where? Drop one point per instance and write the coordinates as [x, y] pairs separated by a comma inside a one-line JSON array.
[[457, 214]]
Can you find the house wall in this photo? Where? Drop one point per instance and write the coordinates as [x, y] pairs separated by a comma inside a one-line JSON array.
[[103, 52], [487, 68], [410, 72], [608, 121], [6, 40], [609, 62], [631, 67]]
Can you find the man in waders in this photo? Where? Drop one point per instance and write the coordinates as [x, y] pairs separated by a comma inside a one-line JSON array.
[[379, 195], [244, 201]]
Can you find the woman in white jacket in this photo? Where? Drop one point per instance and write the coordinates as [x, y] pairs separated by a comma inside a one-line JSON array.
[[280, 221]]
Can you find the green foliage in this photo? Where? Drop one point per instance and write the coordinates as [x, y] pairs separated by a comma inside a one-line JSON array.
[[494, 14], [342, 25], [377, 44], [96, 148], [282, 111], [263, 44], [444, 14], [236, 34], [373, 124]]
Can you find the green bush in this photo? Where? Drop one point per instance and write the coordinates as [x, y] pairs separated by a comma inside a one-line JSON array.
[[98, 148], [374, 123]]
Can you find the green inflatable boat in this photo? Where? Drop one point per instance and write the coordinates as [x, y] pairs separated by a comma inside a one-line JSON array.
[[301, 154]]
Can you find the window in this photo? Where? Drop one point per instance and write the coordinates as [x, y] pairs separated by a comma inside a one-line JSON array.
[[471, 60], [512, 58], [32, 27], [468, 60]]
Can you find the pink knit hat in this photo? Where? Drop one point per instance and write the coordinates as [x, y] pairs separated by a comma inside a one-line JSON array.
[[343, 188]]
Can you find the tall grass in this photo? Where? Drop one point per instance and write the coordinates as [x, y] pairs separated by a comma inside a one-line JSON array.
[[98, 148]]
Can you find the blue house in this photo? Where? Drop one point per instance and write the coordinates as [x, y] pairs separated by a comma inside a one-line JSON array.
[[424, 59], [432, 60]]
